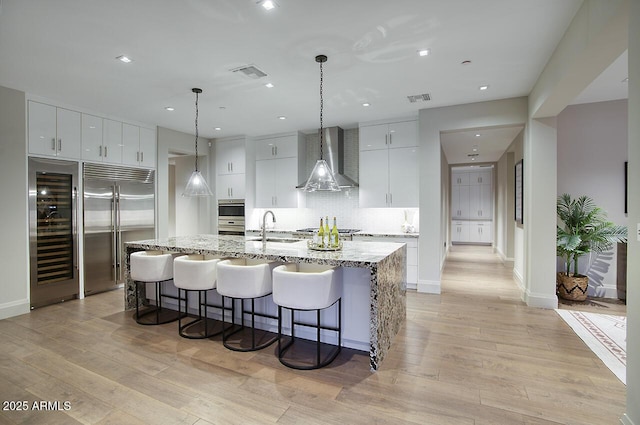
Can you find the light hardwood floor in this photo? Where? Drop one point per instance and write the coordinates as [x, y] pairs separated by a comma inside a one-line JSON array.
[[473, 355]]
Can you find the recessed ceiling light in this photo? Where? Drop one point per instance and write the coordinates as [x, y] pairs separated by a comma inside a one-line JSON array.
[[269, 85], [217, 129], [267, 4], [473, 159], [424, 52], [169, 108], [282, 117], [124, 59], [475, 149], [366, 104], [477, 134], [483, 87]]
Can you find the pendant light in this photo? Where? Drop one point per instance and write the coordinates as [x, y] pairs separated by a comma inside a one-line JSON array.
[[197, 185], [321, 178]]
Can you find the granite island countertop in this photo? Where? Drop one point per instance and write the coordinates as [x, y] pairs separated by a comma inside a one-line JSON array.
[[383, 264]]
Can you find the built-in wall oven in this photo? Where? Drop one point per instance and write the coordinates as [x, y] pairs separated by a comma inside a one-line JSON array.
[[231, 217]]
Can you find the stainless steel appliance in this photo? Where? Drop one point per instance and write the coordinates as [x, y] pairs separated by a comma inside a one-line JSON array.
[[53, 231], [231, 217], [119, 206]]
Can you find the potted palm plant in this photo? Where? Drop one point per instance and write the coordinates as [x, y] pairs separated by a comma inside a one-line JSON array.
[[584, 229]]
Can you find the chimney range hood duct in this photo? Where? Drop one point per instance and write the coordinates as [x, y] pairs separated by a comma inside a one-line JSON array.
[[333, 153]]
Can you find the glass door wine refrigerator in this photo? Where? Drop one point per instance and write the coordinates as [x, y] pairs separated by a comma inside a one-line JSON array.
[[53, 231]]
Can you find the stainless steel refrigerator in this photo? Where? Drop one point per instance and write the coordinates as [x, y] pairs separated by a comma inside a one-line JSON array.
[[119, 206], [53, 231]]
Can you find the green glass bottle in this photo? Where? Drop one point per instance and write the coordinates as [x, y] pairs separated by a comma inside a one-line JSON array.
[[335, 236], [320, 236]]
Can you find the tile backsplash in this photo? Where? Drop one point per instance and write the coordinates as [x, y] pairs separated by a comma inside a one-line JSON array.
[[344, 206]]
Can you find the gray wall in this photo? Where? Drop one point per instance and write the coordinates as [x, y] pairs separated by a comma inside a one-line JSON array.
[[14, 255]]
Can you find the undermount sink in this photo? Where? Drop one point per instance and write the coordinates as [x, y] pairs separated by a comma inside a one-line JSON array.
[[276, 240]]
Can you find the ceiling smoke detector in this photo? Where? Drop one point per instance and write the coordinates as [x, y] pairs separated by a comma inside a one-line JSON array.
[[419, 97], [250, 71]]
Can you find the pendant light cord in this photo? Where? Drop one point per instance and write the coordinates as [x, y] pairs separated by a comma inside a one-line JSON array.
[[321, 108], [196, 130]]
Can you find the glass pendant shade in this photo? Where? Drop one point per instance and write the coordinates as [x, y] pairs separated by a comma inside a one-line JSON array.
[[321, 178], [197, 186]]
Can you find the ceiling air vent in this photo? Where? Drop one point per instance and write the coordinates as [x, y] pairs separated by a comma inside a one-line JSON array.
[[250, 71], [419, 97]]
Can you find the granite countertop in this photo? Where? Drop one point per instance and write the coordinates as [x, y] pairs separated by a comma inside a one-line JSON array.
[[353, 254], [360, 233]]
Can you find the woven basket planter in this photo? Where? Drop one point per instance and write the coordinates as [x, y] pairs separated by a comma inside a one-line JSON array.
[[572, 287]]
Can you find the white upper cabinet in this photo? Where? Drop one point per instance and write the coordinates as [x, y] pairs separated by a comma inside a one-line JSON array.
[[277, 147], [148, 147], [112, 141], [230, 156], [91, 138], [53, 131], [389, 165], [472, 195], [280, 164], [230, 168], [391, 135], [139, 146]]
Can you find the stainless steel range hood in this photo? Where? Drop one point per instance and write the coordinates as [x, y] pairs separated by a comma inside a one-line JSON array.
[[333, 153]]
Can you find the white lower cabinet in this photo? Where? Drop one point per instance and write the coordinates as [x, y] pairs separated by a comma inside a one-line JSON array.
[[412, 254], [470, 231], [460, 231]]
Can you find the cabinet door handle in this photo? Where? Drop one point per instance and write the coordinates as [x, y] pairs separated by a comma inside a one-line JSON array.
[[386, 139], [138, 156], [231, 165], [59, 145], [105, 151], [100, 154], [142, 156], [53, 144], [276, 150], [390, 138], [390, 198], [231, 189]]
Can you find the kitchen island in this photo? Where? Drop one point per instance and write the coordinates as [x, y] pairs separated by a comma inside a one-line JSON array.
[[374, 279]]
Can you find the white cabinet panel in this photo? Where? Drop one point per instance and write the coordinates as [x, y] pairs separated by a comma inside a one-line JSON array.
[[112, 141], [91, 138], [53, 131], [403, 177], [480, 232], [277, 147], [148, 147], [390, 135], [459, 179], [230, 156], [230, 186], [459, 202], [130, 144], [460, 231], [374, 179], [276, 181]]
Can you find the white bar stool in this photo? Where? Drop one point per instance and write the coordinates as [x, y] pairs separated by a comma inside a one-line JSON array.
[[242, 279], [152, 267], [303, 287], [191, 273]]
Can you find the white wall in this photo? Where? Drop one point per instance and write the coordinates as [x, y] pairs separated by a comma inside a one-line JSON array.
[[592, 150], [14, 254]]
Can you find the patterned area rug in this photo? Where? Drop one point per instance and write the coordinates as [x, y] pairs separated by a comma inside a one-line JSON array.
[[604, 334]]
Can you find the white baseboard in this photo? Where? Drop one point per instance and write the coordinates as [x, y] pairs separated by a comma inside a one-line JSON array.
[[412, 285], [519, 280], [625, 420], [541, 300], [14, 308], [506, 261], [429, 286]]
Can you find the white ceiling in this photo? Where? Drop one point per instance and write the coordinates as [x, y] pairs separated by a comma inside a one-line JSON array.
[[488, 143], [65, 50]]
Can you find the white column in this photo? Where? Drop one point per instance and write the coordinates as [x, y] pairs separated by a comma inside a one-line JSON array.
[[632, 416], [540, 181]]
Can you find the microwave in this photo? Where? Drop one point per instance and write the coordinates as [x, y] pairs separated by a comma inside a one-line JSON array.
[[231, 217]]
